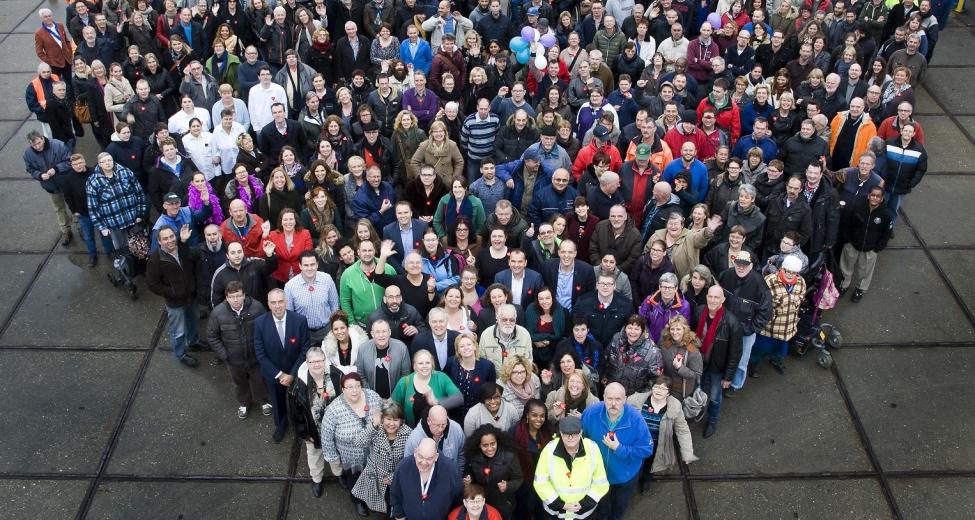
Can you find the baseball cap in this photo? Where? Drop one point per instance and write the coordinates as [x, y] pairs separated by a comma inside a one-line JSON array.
[[600, 132], [533, 11], [743, 258], [643, 151], [172, 197]]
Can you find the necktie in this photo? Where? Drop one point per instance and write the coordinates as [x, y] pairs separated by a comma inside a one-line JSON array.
[[280, 325]]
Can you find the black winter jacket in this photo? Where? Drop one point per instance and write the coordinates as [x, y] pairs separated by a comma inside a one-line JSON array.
[[748, 299], [779, 219], [231, 336], [253, 273], [864, 229], [797, 152], [825, 213], [725, 351], [176, 282]]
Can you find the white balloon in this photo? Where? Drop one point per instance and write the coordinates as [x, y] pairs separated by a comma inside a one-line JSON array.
[[540, 62], [537, 34]]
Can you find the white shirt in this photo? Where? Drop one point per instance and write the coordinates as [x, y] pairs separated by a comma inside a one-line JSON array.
[[259, 101], [225, 145], [517, 284], [179, 123], [200, 150]]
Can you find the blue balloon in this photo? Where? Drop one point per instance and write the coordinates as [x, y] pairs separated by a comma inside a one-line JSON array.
[[517, 44], [523, 56]]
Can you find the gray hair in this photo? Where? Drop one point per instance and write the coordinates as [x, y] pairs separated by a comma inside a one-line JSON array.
[[507, 308], [670, 278], [315, 351], [436, 312], [748, 189]]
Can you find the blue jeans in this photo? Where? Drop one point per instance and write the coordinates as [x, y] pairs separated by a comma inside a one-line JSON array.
[[88, 234], [473, 168], [182, 327], [746, 352], [893, 204], [613, 505], [765, 346], [711, 383]]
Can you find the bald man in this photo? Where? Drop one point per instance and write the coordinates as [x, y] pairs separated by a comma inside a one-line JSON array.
[[446, 433], [721, 351], [624, 442], [425, 484]]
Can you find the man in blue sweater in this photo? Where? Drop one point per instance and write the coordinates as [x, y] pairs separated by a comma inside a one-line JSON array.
[[624, 441], [688, 161]]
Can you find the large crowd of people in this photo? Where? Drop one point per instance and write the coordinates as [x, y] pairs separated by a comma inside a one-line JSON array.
[[484, 257]]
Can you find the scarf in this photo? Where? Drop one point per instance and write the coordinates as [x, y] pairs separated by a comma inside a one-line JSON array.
[[712, 331], [246, 197], [321, 46], [196, 203], [785, 281], [466, 210], [525, 392]]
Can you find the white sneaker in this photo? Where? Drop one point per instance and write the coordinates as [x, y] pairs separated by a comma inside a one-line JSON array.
[[242, 412], [266, 408]]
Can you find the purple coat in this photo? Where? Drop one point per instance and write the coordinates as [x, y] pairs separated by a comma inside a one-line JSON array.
[[657, 316], [424, 110]]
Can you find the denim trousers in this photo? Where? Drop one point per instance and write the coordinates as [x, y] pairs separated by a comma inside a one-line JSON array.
[[613, 505], [746, 352], [182, 327], [711, 383], [88, 233]]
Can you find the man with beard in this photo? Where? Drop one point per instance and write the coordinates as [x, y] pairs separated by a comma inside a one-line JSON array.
[[404, 320], [506, 338]]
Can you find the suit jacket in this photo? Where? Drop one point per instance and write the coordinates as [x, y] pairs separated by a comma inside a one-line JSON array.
[[271, 354], [529, 288], [391, 232], [424, 341], [48, 50], [583, 278]]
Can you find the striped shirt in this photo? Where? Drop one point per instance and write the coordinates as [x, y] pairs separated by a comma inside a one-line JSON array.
[[315, 301], [477, 136]]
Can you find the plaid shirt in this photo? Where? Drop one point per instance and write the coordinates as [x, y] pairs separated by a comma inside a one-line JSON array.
[[785, 308], [115, 203]]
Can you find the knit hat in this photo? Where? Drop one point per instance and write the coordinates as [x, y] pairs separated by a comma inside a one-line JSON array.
[[689, 116], [792, 263]]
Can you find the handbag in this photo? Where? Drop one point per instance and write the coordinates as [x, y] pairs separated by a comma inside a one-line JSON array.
[[695, 405], [81, 112]]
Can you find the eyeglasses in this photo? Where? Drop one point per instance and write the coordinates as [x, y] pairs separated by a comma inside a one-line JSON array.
[[605, 284], [352, 387], [667, 287], [656, 250]]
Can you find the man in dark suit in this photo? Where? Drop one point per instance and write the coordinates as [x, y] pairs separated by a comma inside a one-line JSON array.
[[351, 53], [524, 283], [281, 338], [406, 234], [437, 339], [192, 33], [568, 277]]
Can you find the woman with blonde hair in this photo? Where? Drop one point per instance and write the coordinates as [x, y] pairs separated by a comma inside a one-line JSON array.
[[682, 360], [405, 140], [364, 230], [572, 398], [439, 151], [426, 386], [520, 382], [118, 90], [478, 86], [469, 372]]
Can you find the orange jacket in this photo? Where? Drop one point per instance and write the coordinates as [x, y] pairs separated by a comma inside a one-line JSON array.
[[865, 132]]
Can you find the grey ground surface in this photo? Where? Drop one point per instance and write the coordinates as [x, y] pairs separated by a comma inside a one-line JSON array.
[[100, 423]]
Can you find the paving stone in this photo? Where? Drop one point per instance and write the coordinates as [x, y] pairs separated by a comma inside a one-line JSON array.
[[968, 123], [951, 87], [62, 405], [807, 499], [953, 48], [948, 148], [27, 217], [41, 498], [884, 383], [27, 15], [922, 499], [184, 422], [19, 270], [925, 103], [189, 500], [14, 12], [959, 266], [18, 53], [761, 435], [906, 292], [62, 285], [14, 85], [664, 497], [933, 208]]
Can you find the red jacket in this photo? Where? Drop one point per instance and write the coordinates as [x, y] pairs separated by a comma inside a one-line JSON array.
[[253, 241], [288, 258], [889, 129], [729, 119], [584, 158], [675, 138]]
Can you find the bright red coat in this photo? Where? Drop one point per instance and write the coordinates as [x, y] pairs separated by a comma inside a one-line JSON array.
[[288, 257]]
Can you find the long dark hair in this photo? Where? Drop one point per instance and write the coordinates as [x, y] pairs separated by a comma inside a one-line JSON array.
[[472, 447]]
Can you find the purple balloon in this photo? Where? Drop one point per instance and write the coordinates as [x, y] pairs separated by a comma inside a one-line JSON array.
[[715, 20], [548, 41], [528, 33]]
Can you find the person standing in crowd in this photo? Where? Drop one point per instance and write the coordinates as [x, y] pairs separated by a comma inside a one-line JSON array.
[[281, 340], [46, 158], [230, 334], [788, 291], [171, 274], [570, 477], [312, 294], [720, 334], [308, 396], [425, 484]]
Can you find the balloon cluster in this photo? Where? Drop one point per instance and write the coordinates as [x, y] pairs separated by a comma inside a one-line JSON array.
[[521, 46]]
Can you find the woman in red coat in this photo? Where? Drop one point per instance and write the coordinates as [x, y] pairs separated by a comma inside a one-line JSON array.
[[290, 240]]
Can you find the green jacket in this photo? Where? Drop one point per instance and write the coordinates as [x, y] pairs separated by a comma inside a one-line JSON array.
[[477, 219], [229, 75], [358, 295], [440, 383]]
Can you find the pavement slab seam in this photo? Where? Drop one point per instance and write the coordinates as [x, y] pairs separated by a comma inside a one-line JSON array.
[[30, 13], [23, 295], [120, 423]]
